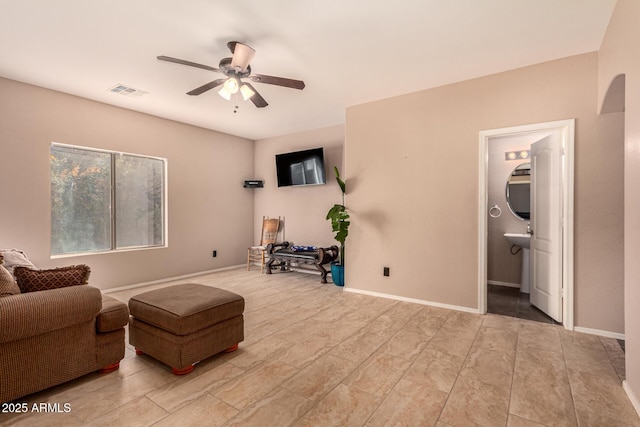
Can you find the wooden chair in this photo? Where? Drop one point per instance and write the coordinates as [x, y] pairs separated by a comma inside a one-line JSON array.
[[256, 254]]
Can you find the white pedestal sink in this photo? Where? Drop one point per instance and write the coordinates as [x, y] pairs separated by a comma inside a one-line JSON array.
[[524, 241]]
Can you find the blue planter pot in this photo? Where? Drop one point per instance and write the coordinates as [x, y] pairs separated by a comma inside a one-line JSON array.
[[337, 274]]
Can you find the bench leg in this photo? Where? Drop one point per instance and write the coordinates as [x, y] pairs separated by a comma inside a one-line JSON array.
[[323, 272], [268, 265]]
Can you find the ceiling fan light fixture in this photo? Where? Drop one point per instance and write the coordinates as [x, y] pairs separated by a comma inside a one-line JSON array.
[[246, 92], [232, 85], [225, 93]]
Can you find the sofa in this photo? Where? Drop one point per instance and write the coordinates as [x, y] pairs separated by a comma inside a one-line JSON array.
[[53, 330]]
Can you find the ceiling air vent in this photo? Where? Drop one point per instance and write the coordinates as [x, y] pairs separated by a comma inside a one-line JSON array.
[[128, 91]]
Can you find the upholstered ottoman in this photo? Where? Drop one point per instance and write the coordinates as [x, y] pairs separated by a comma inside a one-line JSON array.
[[183, 324]]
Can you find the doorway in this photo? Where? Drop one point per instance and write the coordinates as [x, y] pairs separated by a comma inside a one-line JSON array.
[[563, 131]]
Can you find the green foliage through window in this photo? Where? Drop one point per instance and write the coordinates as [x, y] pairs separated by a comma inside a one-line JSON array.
[[102, 201]]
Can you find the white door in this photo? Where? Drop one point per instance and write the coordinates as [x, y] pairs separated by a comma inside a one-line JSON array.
[[546, 225]]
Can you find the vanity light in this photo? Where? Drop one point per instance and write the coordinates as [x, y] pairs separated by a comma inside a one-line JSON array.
[[517, 155]]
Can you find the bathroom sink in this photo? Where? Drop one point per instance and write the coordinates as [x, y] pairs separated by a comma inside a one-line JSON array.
[[520, 239]]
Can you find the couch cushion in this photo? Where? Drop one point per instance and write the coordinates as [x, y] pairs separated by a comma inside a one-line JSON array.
[[8, 285], [113, 315], [14, 258], [30, 280]]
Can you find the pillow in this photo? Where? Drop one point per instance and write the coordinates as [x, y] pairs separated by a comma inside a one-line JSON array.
[[14, 258], [30, 280], [8, 285]]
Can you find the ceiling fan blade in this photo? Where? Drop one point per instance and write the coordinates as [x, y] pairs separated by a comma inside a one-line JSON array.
[[206, 87], [278, 81], [189, 63], [242, 55], [257, 99]]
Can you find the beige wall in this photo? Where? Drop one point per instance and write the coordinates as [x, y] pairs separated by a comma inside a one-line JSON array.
[[304, 208], [599, 234], [208, 208], [413, 163], [619, 54]]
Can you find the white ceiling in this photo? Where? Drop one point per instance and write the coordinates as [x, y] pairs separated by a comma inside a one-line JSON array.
[[348, 52]]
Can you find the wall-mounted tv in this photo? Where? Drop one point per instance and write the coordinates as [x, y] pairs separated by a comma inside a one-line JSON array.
[[300, 168]]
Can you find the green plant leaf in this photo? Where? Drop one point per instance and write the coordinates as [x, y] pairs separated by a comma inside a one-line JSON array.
[[339, 217], [336, 211]]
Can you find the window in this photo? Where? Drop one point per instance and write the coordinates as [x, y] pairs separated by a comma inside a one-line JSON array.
[[104, 201]]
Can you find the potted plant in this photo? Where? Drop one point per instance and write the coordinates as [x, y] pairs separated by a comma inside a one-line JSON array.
[[340, 225]]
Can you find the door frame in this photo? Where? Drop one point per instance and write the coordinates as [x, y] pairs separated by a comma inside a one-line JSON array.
[[567, 131]]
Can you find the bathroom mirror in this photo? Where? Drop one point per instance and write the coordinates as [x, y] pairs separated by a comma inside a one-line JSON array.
[[519, 190]]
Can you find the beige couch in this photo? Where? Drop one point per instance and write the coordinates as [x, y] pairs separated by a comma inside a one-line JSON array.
[[52, 336]]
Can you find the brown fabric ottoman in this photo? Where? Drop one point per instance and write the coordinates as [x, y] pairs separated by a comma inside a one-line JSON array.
[[183, 324]]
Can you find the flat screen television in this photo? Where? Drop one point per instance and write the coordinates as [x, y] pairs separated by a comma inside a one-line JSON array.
[[300, 168]]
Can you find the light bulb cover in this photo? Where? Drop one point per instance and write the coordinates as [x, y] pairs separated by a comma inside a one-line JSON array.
[[232, 85], [246, 92], [225, 93]]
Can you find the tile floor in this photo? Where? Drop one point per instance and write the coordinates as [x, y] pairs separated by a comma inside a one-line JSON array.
[[509, 301], [315, 355]]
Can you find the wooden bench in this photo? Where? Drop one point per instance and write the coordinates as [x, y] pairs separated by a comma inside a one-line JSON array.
[[282, 254]]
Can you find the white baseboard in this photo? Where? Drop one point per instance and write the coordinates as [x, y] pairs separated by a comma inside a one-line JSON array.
[[607, 334], [507, 284], [170, 279], [632, 396], [413, 300]]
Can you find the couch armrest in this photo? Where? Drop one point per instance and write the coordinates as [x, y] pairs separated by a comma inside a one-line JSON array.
[[33, 313], [113, 315]]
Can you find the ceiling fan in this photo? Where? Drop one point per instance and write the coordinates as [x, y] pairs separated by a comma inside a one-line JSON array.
[[235, 69]]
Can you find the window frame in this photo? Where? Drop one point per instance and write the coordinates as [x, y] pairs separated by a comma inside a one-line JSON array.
[[113, 220]]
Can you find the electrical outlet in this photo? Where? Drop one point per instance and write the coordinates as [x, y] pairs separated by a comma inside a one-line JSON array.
[[385, 271], [215, 254]]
